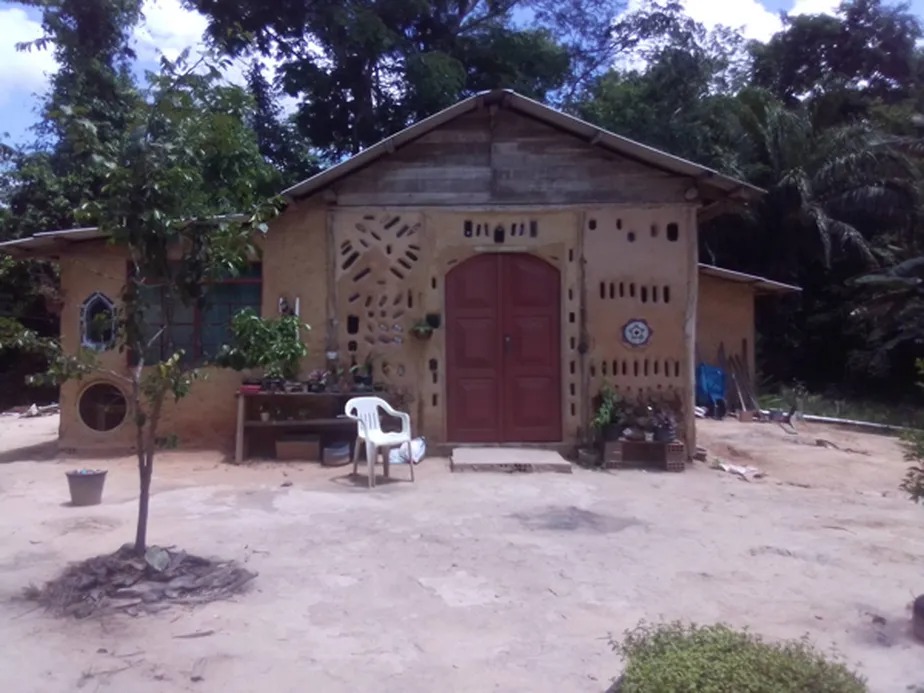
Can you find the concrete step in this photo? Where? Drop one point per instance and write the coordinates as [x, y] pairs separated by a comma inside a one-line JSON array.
[[506, 459]]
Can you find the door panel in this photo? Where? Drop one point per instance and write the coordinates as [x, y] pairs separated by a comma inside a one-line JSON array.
[[503, 350], [531, 312], [473, 351]]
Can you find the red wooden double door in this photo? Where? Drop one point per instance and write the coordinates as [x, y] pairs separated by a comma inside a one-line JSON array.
[[503, 350]]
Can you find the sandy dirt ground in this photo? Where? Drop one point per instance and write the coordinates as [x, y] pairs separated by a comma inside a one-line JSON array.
[[467, 582]]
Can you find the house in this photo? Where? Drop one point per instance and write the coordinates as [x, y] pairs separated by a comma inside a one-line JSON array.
[[552, 257]]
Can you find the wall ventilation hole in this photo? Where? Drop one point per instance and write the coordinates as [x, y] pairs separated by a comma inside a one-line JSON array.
[[533, 228], [657, 367], [388, 249], [572, 389], [352, 324], [592, 224], [644, 293], [351, 258], [432, 282], [573, 410], [619, 224], [353, 298], [667, 294], [635, 368], [436, 400], [573, 368], [499, 234], [673, 232], [570, 254], [362, 275], [654, 230], [467, 228], [676, 369], [603, 369], [593, 371], [570, 294], [603, 289], [645, 368], [352, 346], [573, 343], [667, 369], [625, 368], [433, 365], [654, 294], [622, 289], [615, 367], [436, 378], [612, 290], [571, 318], [631, 289], [631, 236], [410, 299]]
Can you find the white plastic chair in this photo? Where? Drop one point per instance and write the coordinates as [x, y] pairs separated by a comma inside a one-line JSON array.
[[365, 411]]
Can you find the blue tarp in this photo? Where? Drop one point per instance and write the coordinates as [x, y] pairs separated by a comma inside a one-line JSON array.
[[710, 386]]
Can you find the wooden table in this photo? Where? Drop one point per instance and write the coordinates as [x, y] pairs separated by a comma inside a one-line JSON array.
[[327, 405]]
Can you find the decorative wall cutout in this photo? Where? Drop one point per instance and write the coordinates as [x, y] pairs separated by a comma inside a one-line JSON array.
[[498, 231], [102, 407], [97, 322], [378, 257]]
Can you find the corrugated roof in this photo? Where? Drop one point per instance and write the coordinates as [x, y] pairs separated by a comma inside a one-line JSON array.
[[722, 184], [761, 284]]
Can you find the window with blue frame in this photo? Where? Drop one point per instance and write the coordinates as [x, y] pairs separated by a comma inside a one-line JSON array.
[[200, 332]]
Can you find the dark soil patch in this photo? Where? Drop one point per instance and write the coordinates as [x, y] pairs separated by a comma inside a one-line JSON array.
[[124, 581]]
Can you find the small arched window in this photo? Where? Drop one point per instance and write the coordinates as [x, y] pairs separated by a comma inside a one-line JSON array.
[[97, 322]]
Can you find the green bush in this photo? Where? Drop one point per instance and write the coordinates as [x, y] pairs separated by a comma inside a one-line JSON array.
[[679, 658]]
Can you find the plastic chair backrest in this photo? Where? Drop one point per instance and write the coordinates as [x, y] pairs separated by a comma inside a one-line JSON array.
[[366, 409]]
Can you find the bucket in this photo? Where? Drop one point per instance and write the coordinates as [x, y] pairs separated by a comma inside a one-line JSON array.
[[86, 486]]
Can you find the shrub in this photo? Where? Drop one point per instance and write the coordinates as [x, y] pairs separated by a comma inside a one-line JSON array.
[[679, 658]]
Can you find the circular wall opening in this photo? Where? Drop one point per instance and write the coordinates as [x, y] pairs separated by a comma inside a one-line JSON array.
[[102, 407]]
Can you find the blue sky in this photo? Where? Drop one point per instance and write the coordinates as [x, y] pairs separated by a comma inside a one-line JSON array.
[[168, 29]]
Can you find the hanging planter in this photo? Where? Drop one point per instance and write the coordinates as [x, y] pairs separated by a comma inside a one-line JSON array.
[[422, 330]]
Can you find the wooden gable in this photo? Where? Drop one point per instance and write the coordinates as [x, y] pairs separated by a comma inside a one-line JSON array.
[[503, 157]]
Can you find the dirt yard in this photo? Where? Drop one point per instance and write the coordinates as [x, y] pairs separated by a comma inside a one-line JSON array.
[[467, 582]]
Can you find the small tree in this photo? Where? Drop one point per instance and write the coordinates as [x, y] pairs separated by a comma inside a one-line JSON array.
[[186, 163]]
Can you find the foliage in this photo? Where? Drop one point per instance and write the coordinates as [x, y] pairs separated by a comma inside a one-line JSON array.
[[364, 69], [611, 409], [273, 344], [677, 658]]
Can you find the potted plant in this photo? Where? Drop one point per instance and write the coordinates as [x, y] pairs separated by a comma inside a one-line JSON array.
[[663, 424], [610, 416], [273, 344], [362, 373], [318, 380]]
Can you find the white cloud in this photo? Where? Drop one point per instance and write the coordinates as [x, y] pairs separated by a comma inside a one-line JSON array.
[[814, 7], [750, 16], [24, 72], [168, 29]]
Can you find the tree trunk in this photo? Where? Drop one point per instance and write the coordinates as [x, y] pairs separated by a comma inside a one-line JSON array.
[[146, 442], [145, 469]]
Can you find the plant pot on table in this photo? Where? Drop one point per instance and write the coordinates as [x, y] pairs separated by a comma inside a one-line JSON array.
[[611, 432], [86, 486]]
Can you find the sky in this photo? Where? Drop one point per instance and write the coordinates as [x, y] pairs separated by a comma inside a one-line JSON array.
[[168, 29]]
